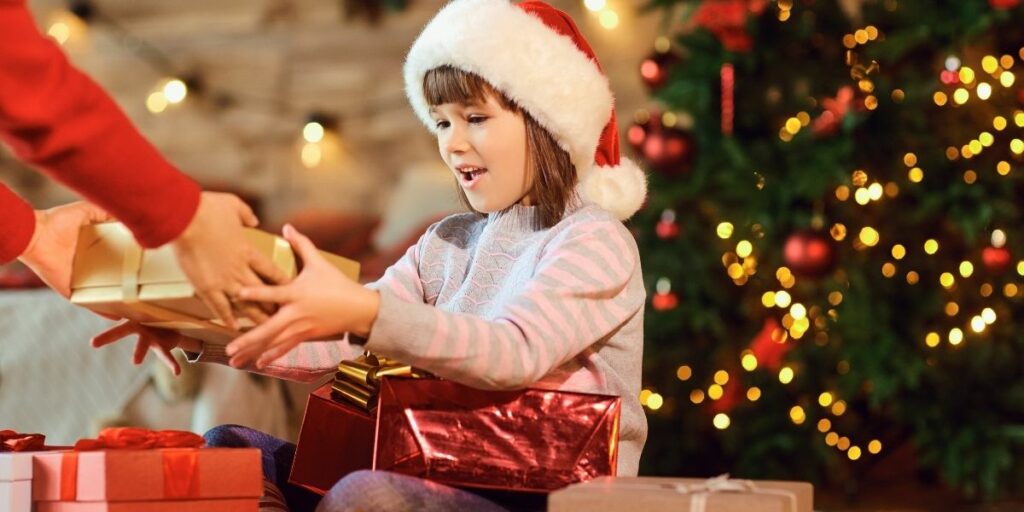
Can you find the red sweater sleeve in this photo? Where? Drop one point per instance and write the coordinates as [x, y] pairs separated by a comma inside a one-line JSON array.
[[17, 221], [56, 118]]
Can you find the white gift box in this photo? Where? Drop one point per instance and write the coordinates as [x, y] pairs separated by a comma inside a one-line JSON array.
[[16, 481]]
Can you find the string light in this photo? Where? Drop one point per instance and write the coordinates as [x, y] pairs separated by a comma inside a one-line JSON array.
[[721, 421], [609, 19], [932, 339], [875, 446], [697, 396], [786, 375], [175, 91], [313, 132], [754, 394], [825, 399], [824, 425], [796, 413], [724, 230], [655, 401], [594, 5], [721, 377], [748, 361], [684, 372], [956, 336]]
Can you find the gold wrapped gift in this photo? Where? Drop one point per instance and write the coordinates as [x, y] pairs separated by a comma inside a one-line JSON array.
[[113, 275], [358, 381]]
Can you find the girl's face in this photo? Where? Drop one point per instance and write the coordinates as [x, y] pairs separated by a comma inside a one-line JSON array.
[[485, 146]]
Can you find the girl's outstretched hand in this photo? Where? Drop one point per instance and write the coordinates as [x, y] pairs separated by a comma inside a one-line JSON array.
[[320, 302], [160, 340]]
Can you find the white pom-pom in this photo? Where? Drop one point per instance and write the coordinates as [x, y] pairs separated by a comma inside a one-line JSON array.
[[621, 189]]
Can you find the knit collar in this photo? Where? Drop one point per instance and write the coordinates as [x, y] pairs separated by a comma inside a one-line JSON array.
[[519, 218]]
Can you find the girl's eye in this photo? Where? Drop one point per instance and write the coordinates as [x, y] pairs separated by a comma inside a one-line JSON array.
[[442, 124], [477, 119]]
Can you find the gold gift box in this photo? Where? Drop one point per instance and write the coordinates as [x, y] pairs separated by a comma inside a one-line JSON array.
[[113, 275]]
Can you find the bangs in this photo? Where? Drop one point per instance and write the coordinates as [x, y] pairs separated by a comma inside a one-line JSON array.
[[447, 84]]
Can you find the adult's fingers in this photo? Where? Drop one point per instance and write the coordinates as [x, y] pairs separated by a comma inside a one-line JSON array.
[[245, 213], [266, 268], [275, 294], [218, 302]]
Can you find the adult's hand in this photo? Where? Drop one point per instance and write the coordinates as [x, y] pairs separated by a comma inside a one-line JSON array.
[[218, 259], [51, 251]]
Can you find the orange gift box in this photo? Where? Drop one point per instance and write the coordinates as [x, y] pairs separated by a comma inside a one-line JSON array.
[[147, 475], [237, 505]]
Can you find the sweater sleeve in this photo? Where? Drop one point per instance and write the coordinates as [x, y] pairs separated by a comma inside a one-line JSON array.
[[578, 295], [17, 222], [56, 118], [311, 360]]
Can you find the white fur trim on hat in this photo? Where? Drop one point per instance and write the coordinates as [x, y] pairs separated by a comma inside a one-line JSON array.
[[536, 67], [620, 189]]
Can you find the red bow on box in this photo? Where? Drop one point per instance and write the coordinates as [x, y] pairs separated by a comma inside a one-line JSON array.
[[132, 438], [11, 441], [181, 469]]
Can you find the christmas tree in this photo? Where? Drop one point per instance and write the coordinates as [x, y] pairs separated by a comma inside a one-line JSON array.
[[832, 240]]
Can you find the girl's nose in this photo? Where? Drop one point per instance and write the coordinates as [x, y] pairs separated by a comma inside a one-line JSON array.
[[456, 141]]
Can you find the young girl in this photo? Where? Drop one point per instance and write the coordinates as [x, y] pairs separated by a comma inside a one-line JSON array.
[[540, 286]]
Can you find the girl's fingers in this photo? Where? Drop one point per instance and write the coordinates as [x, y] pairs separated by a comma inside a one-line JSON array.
[[281, 345], [125, 328], [302, 245]]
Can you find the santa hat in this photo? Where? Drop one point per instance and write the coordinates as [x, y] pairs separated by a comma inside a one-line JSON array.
[[535, 55]]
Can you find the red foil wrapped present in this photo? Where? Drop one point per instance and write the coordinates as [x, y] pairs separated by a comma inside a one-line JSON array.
[[336, 439], [529, 440]]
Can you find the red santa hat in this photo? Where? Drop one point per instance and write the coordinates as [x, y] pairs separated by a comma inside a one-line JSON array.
[[536, 56]]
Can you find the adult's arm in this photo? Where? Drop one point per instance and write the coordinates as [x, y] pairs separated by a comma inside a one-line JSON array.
[[56, 118]]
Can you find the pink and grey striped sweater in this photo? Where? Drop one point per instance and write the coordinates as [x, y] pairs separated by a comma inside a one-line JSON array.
[[493, 303]]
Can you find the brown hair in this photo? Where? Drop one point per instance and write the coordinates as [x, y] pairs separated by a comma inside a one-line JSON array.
[[554, 176]]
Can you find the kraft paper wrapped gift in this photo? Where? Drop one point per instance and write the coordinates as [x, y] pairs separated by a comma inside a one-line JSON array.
[[531, 440], [112, 274], [659, 494]]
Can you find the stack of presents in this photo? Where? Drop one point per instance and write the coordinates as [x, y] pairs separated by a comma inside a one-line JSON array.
[[376, 414]]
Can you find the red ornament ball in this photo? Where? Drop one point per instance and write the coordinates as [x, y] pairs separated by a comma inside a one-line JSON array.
[[809, 253], [1004, 4], [664, 301], [669, 150], [996, 259], [667, 227], [654, 69], [637, 134]]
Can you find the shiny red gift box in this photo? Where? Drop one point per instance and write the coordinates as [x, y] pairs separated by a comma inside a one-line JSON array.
[[530, 440], [335, 439]]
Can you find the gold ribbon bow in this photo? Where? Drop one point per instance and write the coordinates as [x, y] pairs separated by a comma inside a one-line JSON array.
[[358, 381]]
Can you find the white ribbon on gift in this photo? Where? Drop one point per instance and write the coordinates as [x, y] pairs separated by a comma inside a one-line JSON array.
[[718, 485], [723, 484]]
